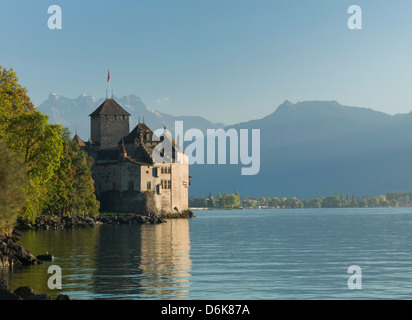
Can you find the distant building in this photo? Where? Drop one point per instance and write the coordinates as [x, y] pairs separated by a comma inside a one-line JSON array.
[[127, 179]]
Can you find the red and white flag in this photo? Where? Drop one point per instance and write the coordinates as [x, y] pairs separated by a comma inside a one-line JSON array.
[[108, 76]]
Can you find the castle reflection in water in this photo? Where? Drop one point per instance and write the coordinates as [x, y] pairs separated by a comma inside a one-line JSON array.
[[112, 262]]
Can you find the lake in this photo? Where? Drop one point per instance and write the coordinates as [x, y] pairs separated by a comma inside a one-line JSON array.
[[231, 254]]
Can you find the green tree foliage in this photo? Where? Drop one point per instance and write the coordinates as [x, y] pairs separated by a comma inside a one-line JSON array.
[[41, 146], [390, 199], [71, 191], [232, 201], [26, 131], [331, 202], [59, 177], [249, 203], [13, 179], [13, 97]]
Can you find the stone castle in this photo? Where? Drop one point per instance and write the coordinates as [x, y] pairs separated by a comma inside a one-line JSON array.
[[127, 179]]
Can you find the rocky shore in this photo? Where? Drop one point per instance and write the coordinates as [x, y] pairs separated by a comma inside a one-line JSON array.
[[55, 222], [12, 254], [25, 293], [178, 215]]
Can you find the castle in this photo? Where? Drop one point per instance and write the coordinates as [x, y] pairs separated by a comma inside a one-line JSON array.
[[127, 179]]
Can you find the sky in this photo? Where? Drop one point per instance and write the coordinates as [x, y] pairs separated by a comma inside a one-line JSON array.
[[226, 60]]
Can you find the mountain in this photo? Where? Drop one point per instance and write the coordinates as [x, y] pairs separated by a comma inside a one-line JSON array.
[[315, 148], [74, 114], [308, 149]]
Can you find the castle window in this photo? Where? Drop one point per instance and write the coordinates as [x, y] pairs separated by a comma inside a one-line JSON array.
[[131, 185], [154, 172], [166, 184], [158, 189], [166, 169], [149, 185]]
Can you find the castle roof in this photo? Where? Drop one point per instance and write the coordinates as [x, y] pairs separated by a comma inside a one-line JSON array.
[[79, 141], [134, 134], [110, 107]]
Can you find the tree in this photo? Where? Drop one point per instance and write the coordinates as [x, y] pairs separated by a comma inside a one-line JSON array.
[[331, 202], [13, 97], [342, 200], [248, 203], [26, 131], [71, 191], [41, 146], [262, 201], [13, 180], [232, 201], [283, 201], [211, 203], [383, 202], [292, 203], [354, 202], [274, 202]]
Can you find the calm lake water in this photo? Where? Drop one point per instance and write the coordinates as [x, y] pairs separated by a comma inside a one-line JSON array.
[[239, 254]]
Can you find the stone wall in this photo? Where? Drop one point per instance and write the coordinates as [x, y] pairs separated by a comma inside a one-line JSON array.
[[95, 129], [146, 202], [123, 202], [180, 185], [109, 130], [122, 176]]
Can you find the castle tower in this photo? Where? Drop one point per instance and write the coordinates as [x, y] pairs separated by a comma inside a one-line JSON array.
[[109, 123]]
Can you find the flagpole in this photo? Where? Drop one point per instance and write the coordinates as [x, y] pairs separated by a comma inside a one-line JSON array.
[[108, 81]]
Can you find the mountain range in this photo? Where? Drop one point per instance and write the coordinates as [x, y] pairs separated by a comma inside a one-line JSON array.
[[308, 149], [74, 114]]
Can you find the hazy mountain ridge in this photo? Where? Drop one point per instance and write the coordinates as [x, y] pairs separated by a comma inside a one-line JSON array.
[[316, 148], [74, 114], [308, 149]]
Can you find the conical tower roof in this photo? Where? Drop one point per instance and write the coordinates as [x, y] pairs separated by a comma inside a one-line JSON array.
[[111, 108], [79, 141]]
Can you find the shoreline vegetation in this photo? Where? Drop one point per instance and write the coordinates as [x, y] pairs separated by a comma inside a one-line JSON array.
[[235, 201], [42, 171]]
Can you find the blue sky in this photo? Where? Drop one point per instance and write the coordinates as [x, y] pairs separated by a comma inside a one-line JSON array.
[[225, 60]]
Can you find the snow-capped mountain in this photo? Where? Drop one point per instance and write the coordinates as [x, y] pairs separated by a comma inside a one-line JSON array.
[[74, 114]]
